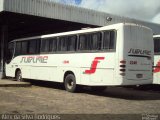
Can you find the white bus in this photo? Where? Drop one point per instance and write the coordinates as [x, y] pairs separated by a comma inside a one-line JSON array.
[[115, 55], [156, 76]]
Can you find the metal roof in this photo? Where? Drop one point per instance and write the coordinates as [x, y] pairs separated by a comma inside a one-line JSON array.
[[49, 9]]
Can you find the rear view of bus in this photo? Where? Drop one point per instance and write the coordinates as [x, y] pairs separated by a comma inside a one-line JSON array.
[[156, 77], [136, 58]]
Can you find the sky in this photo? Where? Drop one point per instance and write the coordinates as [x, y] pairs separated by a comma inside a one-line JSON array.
[[146, 10]]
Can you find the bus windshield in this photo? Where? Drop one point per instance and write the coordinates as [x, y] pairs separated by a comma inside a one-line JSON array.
[[10, 52]]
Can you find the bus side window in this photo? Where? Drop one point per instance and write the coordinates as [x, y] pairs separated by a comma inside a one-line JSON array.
[[38, 43], [157, 45], [18, 49], [106, 40], [51, 45], [84, 42], [96, 41], [112, 40], [21, 48], [62, 44], [50, 42], [34, 46], [54, 44], [24, 50], [48, 45], [71, 43], [109, 40], [45, 45]]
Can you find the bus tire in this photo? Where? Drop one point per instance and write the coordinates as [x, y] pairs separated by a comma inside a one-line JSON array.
[[19, 76], [70, 83]]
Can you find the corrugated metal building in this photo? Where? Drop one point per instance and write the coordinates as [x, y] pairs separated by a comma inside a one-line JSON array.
[[21, 18], [48, 9]]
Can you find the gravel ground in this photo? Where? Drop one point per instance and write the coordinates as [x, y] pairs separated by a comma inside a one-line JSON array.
[[114, 103]]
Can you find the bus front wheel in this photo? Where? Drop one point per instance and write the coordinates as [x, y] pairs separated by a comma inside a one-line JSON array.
[[70, 83], [19, 76]]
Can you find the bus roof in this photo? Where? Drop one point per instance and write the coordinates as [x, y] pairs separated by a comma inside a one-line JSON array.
[[156, 36], [109, 27]]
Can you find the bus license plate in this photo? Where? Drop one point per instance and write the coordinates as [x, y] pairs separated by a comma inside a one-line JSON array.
[[139, 75]]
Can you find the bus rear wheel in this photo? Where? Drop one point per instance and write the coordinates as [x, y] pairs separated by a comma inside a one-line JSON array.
[[70, 83], [19, 76]]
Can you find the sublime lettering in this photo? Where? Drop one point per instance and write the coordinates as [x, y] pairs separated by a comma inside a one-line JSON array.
[[34, 59], [94, 65], [139, 52]]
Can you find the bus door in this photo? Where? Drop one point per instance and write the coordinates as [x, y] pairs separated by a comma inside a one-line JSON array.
[[10, 55]]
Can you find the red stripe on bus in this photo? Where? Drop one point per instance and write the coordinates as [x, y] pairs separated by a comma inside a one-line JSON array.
[[157, 69], [94, 65]]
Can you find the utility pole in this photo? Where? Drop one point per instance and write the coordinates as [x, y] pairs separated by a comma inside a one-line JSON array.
[[3, 48]]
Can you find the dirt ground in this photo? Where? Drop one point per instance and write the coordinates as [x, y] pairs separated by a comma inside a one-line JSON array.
[[51, 99]]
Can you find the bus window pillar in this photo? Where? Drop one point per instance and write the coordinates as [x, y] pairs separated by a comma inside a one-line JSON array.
[[3, 48]]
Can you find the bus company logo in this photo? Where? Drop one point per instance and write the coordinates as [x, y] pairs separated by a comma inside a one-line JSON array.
[[94, 65], [139, 52], [157, 68], [34, 59]]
